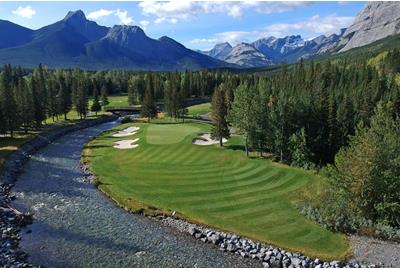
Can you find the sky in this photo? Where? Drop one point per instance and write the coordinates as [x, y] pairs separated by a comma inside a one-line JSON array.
[[198, 24]]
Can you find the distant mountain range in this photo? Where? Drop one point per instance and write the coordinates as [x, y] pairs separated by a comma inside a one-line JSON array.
[[272, 50], [78, 42], [376, 21]]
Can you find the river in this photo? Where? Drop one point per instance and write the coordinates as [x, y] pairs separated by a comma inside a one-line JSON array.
[[75, 225]]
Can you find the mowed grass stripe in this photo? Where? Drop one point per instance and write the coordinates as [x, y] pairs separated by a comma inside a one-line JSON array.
[[212, 185], [257, 184], [228, 195], [202, 178]]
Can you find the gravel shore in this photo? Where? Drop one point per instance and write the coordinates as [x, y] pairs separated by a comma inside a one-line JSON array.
[[373, 251]]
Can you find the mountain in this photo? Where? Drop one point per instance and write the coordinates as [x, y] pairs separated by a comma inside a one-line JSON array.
[[220, 51], [247, 56], [13, 35], [78, 42], [292, 48], [129, 46], [376, 21]]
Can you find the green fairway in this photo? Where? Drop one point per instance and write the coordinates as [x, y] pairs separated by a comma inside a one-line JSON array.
[[217, 186], [199, 109]]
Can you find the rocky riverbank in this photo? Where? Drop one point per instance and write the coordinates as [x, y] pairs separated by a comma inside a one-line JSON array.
[[269, 255], [11, 220]]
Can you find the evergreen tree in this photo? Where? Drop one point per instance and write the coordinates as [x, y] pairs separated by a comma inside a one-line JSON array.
[[300, 155], [8, 103], [220, 129], [149, 109], [104, 97], [240, 114], [133, 90], [96, 107], [81, 105], [25, 104], [64, 97]]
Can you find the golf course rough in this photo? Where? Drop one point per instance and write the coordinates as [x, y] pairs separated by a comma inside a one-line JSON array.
[[211, 185]]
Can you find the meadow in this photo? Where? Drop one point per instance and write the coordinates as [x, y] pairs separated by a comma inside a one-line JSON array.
[[217, 186]]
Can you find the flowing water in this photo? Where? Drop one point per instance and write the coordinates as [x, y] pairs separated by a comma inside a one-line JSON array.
[[77, 226]]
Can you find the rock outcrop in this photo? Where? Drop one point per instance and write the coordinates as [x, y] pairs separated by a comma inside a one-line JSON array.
[[247, 56], [376, 21]]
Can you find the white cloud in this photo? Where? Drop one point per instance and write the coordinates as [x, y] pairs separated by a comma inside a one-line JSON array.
[[177, 10], [278, 6], [123, 17], [24, 12], [98, 14], [315, 25], [144, 24], [235, 12], [233, 37]]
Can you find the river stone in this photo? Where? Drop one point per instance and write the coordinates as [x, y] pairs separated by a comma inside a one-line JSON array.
[[265, 265], [296, 262]]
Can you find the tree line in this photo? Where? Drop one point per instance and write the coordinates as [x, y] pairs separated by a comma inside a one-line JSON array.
[[29, 99], [303, 116]]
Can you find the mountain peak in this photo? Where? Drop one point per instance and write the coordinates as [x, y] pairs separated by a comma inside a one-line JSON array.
[[75, 15], [127, 29], [126, 35]]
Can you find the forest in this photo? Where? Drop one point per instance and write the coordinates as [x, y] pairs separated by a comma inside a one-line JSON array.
[[339, 117]]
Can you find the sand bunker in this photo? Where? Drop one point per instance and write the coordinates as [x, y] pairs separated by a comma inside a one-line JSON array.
[[126, 144], [205, 139], [126, 132]]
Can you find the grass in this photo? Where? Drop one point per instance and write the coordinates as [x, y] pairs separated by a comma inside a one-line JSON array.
[[199, 109], [8, 145], [211, 185], [118, 100]]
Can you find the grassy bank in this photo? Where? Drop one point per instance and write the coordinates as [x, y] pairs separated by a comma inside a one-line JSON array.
[[199, 109], [211, 185], [8, 144]]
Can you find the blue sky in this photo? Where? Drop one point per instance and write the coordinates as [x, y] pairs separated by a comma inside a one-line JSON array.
[[198, 25]]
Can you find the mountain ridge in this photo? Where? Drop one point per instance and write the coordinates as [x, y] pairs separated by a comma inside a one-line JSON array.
[[75, 41]]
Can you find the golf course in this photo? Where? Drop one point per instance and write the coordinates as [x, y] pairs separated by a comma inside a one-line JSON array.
[[217, 186]]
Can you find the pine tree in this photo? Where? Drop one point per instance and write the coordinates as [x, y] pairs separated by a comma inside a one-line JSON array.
[[104, 97], [149, 109], [64, 97], [8, 103], [38, 110], [81, 99], [220, 129], [96, 107], [133, 94], [25, 104], [240, 114]]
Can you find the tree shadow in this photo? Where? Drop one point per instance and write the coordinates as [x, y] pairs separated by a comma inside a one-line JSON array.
[[236, 147]]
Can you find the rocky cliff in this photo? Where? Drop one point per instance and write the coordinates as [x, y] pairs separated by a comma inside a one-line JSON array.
[[376, 21]]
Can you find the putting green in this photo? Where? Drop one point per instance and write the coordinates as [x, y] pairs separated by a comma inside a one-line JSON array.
[[211, 185], [169, 133]]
